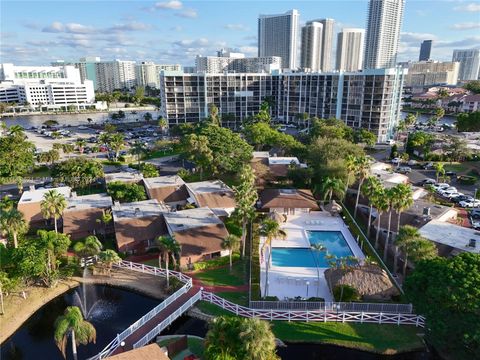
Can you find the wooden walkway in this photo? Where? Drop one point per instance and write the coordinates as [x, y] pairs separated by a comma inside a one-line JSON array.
[[150, 325]]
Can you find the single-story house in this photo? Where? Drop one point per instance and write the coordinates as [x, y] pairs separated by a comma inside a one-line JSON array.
[[214, 194], [29, 204], [124, 177], [138, 224], [279, 165], [169, 189], [199, 232], [287, 201], [451, 239], [82, 212]]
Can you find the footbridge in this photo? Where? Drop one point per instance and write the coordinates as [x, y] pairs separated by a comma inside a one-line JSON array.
[[145, 329]]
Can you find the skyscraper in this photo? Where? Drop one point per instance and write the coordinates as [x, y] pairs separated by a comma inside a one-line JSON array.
[[350, 49], [425, 50], [277, 36], [327, 44], [312, 46], [469, 63], [383, 33]]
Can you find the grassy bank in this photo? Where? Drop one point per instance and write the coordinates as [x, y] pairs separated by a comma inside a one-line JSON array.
[[240, 298], [224, 276], [383, 339]]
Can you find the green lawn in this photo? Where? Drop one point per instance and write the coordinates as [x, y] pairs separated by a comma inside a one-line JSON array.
[[161, 153], [240, 298], [195, 345], [223, 276], [40, 172], [151, 262], [456, 167], [385, 339]]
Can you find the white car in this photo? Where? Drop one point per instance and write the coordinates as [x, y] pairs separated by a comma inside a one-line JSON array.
[[448, 194], [440, 186], [454, 195], [396, 160], [444, 191], [470, 204]]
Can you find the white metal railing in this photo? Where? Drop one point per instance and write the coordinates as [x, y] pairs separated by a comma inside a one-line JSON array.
[[316, 315], [110, 348], [160, 327], [333, 306]]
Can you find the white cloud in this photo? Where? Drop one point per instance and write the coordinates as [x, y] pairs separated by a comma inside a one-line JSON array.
[[413, 37], [472, 7], [249, 51], [187, 13], [239, 27], [466, 26], [171, 5], [54, 27], [72, 28], [131, 26]]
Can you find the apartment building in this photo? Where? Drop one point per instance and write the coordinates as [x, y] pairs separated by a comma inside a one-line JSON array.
[[147, 73], [368, 100], [428, 73], [350, 49], [237, 64], [116, 74], [469, 60]]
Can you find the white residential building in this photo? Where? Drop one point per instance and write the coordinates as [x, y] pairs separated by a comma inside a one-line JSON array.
[[277, 36], [311, 53], [116, 74], [327, 44], [469, 63], [383, 33], [147, 73], [46, 86], [427, 73], [221, 64], [350, 49]]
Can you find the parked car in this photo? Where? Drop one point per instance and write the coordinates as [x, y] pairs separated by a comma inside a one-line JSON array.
[[451, 173], [475, 212], [396, 160], [428, 181], [444, 190], [412, 162], [428, 166], [470, 204], [453, 195], [460, 198], [440, 186], [404, 170]]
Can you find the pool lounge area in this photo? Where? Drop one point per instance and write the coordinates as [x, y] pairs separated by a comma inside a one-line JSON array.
[[297, 264]]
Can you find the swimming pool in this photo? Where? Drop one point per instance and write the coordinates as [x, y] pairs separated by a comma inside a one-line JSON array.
[[333, 241]]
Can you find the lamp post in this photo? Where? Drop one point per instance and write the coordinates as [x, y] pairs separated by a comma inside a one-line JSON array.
[[475, 195], [308, 283]]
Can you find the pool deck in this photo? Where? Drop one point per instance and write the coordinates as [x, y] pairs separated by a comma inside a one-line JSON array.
[[289, 282]]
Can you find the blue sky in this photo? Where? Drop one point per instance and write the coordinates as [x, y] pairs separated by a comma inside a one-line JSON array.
[[174, 31]]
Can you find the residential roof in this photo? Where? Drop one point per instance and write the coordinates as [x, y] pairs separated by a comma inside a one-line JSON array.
[[261, 154], [282, 160], [138, 209], [33, 196], [132, 232], [452, 235], [150, 352], [163, 181], [287, 198], [385, 174], [124, 176], [201, 240], [190, 219], [94, 201], [214, 194]]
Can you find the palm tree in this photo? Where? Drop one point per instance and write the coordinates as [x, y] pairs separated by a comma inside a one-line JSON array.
[[389, 195], [402, 199], [163, 124], [16, 130], [439, 170], [362, 167], [332, 186], [168, 247], [105, 219], [138, 149], [270, 230], [89, 247], [369, 190], [72, 323], [116, 143], [414, 245], [13, 223], [351, 166], [380, 203], [80, 145], [108, 258], [52, 206], [231, 243]]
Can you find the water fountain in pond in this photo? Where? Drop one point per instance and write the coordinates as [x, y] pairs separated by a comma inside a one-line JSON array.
[[86, 298]]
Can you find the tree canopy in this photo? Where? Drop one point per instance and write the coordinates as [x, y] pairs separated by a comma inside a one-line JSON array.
[[447, 292], [125, 192], [17, 155], [473, 86], [468, 122], [77, 172]]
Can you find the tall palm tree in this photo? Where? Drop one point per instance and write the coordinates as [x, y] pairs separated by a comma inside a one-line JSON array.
[[381, 204], [389, 199], [72, 323], [105, 219], [116, 143], [369, 190], [89, 247], [13, 223], [52, 206], [402, 199], [351, 166], [332, 186], [168, 247], [362, 169], [163, 124], [414, 245], [439, 170], [270, 230], [231, 243]]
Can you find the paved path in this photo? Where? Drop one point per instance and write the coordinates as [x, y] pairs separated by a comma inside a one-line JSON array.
[[150, 325]]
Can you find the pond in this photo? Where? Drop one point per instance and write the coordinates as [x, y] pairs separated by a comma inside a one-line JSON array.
[[119, 308], [116, 310]]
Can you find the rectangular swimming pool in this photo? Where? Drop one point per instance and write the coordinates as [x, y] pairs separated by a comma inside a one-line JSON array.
[[333, 241]]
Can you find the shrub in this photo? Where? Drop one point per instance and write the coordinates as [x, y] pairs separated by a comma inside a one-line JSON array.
[[316, 299], [345, 293], [215, 263], [270, 298], [466, 180]]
